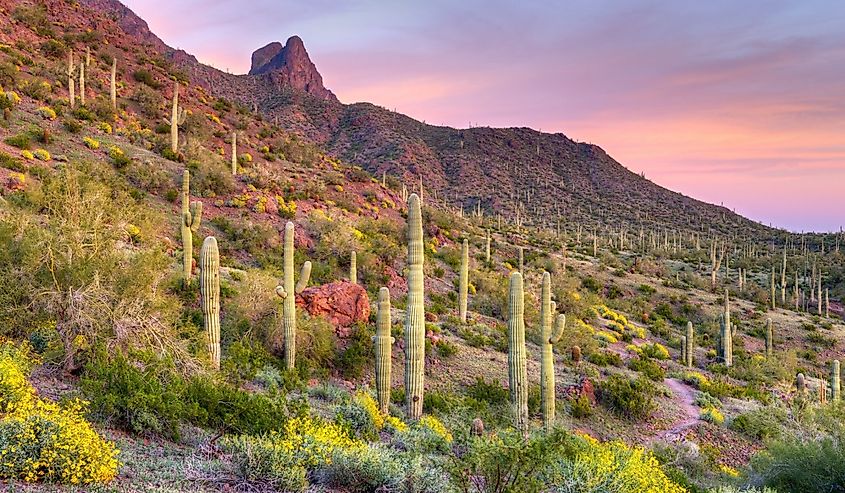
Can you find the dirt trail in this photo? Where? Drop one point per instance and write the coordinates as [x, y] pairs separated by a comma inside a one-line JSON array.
[[685, 394]]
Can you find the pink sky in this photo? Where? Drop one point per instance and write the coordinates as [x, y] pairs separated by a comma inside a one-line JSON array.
[[741, 103]]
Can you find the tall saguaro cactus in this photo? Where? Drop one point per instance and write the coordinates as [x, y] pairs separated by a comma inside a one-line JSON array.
[[210, 296], [234, 153], [835, 389], [415, 313], [383, 348], [517, 362], [287, 292], [82, 84], [549, 338], [690, 345], [487, 248], [113, 80], [190, 223], [71, 73], [353, 268], [726, 339], [770, 342], [463, 282], [177, 117]]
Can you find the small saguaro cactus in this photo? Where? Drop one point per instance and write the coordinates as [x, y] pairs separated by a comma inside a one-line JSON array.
[[800, 384], [190, 223], [684, 350], [210, 296], [477, 427], [575, 354], [835, 389], [549, 338], [287, 292], [383, 349], [82, 84], [487, 248], [177, 117], [463, 282], [770, 342], [690, 345], [353, 268], [726, 337], [517, 362], [415, 313], [71, 73], [113, 80], [234, 153]]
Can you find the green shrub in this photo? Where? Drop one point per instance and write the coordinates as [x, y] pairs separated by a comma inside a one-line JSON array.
[[647, 367], [366, 469], [805, 465], [762, 424], [358, 355], [146, 77], [632, 399], [604, 358], [580, 407], [21, 141]]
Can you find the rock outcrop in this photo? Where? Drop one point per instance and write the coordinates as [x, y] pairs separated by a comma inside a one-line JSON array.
[[342, 303]]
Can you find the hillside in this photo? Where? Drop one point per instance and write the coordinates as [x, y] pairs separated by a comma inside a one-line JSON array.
[[111, 291]]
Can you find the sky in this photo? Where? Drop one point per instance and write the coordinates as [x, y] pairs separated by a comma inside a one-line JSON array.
[[734, 103]]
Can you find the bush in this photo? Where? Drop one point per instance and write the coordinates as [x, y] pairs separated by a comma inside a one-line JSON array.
[[90, 143], [145, 77], [42, 440], [632, 399], [656, 351], [604, 358], [712, 415], [366, 469], [762, 424], [21, 141], [580, 407], [808, 466], [648, 368], [507, 461]]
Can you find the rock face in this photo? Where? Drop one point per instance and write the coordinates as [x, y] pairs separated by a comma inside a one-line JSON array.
[[289, 65], [342, 303]]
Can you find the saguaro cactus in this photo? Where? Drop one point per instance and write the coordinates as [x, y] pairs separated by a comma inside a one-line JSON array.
[[487, 248], [234, 153], [177, 117], [770, 342], [726, 339], [517, 363], [383, 349], [353, 268], [463, 282], [690, 345], [190, 223], [415, 313], [287, 292], [71, 73], [549, 338], [800, 384], [210, 296], [82, 84], [684, 350], [113, 91], [835, 389]]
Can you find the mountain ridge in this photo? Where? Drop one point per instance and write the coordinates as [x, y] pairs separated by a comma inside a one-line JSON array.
[[504, 170]]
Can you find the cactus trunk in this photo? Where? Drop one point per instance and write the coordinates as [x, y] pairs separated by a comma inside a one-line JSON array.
[[287, 291], [234, 153], [353, 268], [415, 313], [210, 296], [383, 350], [690, 345], [174, 120], [463, 282], [517, 364], [835, 389], [487, 249], [189, 224], [82, 84], [726, 339], [113, 91], [770, 342], [549, 338]]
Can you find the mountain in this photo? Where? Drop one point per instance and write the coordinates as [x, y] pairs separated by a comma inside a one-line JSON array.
[[548, 178]]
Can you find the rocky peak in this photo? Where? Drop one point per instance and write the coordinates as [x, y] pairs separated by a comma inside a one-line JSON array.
[[289, 65]]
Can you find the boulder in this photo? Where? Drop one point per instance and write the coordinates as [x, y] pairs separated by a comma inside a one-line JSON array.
[[342, 303]]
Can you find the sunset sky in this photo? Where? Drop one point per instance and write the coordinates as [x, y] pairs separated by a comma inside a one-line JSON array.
[[741, 103]]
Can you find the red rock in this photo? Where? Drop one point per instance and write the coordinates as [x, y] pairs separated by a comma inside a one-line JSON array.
[[430, 317], [584, 388], [342, 303]]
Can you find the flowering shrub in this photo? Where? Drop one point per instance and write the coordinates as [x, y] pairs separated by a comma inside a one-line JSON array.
[[656, 351], [41, 440], [712, 415], [27, 155], [612, 466], [104, 127], [286, 209], [91, 143], [42, 154], [47, 113]]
